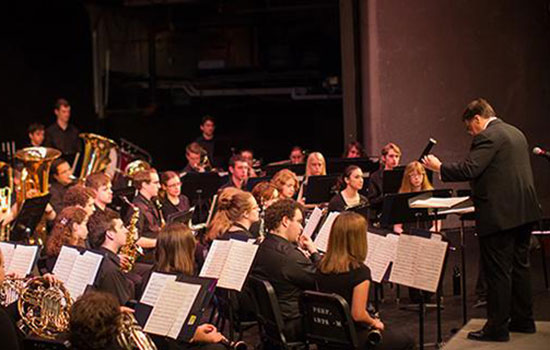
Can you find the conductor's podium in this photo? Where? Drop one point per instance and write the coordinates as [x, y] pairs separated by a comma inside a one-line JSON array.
[[518, 341]]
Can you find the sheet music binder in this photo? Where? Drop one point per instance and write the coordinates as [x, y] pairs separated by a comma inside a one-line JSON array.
[[204, 185], [192, 321], [15, 245], [29, 217]]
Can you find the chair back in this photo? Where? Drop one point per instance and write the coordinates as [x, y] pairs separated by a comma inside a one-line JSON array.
[[267, 310], [327, 321]]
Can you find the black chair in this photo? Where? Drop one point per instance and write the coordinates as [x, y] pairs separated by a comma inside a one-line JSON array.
[[327, 321], [227, 304], [269, 316]]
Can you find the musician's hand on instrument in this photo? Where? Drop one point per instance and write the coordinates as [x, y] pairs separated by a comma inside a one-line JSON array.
[[432, 162], [124, 261], [14, 275], [51, 278], [126, 309], [207, 333], [378, 324], [305, 242]]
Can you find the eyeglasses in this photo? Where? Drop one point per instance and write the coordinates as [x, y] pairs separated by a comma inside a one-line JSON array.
[[176, 184]]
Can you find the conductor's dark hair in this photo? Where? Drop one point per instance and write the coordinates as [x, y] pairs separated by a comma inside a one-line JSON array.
[[61, 102], [480, 107], [94, 322], [208, 118], [275, 213]]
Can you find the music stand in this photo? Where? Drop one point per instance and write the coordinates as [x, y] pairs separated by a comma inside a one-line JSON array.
[[200, 186], [339, 165], [253, 181], [118, 204], [29, 217], [181, 217], [319, 189], [391, 181], [298, 169]]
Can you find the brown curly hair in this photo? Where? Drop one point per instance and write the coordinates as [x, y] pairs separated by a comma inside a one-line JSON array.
[[62, 232], [94, 322]]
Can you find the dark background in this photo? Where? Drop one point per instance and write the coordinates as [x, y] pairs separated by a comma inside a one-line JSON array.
[[421, 62]]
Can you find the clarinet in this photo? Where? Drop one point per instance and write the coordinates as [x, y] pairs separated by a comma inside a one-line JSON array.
[[234, 345]]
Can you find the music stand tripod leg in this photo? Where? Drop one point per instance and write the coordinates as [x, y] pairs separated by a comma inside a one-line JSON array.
[[463, 262]]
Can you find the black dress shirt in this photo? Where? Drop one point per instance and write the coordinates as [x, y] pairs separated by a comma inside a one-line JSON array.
[[208, 145], [111, 280], [168, 208], [67, 141], [149, 218], [288, 270]]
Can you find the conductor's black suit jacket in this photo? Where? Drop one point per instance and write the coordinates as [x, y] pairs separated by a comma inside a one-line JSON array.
[[499, 169]]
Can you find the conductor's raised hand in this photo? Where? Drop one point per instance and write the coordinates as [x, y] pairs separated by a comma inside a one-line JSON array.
[[432, 162]]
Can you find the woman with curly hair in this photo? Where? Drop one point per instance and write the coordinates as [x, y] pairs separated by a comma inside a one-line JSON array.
[[69, 229]]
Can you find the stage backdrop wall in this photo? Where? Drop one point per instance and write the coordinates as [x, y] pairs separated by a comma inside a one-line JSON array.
[[423, 61]]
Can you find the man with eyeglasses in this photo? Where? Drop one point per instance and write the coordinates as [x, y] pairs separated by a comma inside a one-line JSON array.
[[280, 261]]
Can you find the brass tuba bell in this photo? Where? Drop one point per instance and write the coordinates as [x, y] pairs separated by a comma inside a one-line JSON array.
[[96, 153]]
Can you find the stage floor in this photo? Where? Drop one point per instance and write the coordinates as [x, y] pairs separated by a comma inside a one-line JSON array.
[[539, 340]]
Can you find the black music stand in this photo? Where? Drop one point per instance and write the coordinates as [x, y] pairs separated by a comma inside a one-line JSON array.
[[253, 181], [319, 189], [28, 218], [118, 203], [338, 165], [199, 187], [298, 169], [181, 217]]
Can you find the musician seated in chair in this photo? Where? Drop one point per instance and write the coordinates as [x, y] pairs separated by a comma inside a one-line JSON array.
[[196, 161], [103, 195], [349, 185], [81, 197], [108, 237], [287, 268], [342, 271], [172, 200], [238, 168], [62, 180]]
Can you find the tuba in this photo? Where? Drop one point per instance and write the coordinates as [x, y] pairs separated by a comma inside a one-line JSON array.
[[44, 308], [96, 154]]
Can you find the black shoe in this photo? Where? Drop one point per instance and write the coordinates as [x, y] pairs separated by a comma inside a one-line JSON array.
[[480, 303], [527, 328], [481, 335]]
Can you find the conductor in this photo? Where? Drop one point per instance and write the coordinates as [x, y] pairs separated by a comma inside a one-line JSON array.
[[506, 204]]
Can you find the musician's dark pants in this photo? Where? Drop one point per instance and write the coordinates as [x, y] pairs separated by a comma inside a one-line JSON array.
[[505, 260]]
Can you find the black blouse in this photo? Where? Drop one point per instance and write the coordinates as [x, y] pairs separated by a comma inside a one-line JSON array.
[[343, 283], [337, 203], [168, 208]]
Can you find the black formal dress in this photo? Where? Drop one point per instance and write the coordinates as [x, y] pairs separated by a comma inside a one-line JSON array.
[[499, 170], [343, 285], [338, 203], [290, 272]]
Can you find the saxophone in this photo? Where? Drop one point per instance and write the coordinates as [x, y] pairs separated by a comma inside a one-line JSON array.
[[131, 249]]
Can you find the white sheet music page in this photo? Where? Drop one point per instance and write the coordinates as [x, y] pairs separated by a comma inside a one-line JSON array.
[[313, 221], [215, 260], [84, 273], [321, 240], [437, 202], [173, 305], [65, 262], [23, 259], [418, 262], [156, 283], [381, 251], [185, 302], [7, 251], [238, 263]]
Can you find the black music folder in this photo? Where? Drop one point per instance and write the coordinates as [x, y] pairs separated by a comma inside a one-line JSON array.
[[320, 189], [298, 169], [29, 217], [172, 305]]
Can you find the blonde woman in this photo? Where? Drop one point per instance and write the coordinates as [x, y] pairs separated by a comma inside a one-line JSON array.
[[315, 166]]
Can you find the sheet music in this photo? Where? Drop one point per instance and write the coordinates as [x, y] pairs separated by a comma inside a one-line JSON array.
[[313, 221], [65, 262], [437, 202], [458, 211], [171, 309], [418, 262], [321, 240], [381, 252], [237, 265], [215, 260], [156, 283], [23, 259], [83, 273], [7, 253]]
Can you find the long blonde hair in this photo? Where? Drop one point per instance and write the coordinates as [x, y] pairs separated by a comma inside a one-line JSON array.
[[414, 167], [320, 158], [281, 177], [347, 244], [175, 251], [232, 205]]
